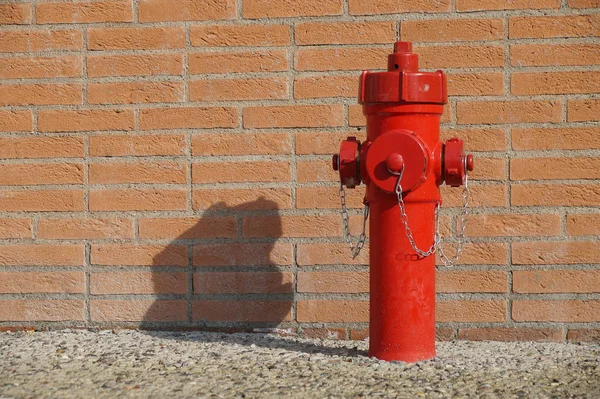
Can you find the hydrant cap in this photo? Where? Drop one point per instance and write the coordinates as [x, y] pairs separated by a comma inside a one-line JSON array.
[[403, 83]]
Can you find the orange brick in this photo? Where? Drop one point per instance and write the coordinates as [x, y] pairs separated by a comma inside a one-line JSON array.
[[479, 253], [511, 334], [477, 5], [342, 58], [243, 171], [15, 121], [547, 253], [243, 283], [134, 65], [586, 224], [463, 311], [84, 12], [538, 27], [341, 311], [85, 120], [42, 310], [239, 35], [15, 13], [329, 254], [475, 84], [139, 255], [40, 67], [460, 56], [242, 198], [504, 225], [471, 281], [167, 172], [237, 62], [481, 196], [478, 139], [489, 169], [138, 310], [135, 92], [577, 311], [322, 143], [546, 195], [38, 283], [246, 311], [364, 32], [340, 282], [15, 228], [135, 38], [255, 254], [40, 40], [312, 171], [85, 229], [188, 228], [42, 201], [294, 116], [291, 226], [554, 54], [584, 335], [356, 117], [554, 168], [189, 117], [186, 10], [139, 145], [359, 334], [138, 283], [238, 89], [327, 197], [326, 86], [41, 255], [584, 3], [130, 199], [241, 144], [572, 138], [256, 9], [555, 83], [583, 110], [40, 94], [359, 7], [40, 174], [41, 147], [556, 281], [481, 112], [452, 30]]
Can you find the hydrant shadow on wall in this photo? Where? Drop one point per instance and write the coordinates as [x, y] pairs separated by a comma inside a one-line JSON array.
[[402, 163]]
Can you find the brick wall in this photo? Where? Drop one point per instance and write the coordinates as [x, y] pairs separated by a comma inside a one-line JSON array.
[[166, 163]]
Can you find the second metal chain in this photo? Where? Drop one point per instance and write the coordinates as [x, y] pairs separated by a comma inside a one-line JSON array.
[[355, 248]]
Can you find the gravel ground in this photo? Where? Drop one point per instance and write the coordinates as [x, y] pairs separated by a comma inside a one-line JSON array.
[[109, 364]]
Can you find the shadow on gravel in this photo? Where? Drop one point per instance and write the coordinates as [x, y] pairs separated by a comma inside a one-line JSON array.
[[236, 277]]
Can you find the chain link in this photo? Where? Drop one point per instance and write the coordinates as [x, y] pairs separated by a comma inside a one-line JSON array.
[[360, 243]]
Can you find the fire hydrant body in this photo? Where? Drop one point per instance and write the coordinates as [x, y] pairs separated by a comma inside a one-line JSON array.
[[402, 162]]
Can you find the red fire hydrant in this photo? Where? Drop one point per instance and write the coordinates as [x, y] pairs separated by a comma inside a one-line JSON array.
[[402, 162]]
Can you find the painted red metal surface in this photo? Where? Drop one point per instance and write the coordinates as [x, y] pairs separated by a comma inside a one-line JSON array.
[[403, 108]]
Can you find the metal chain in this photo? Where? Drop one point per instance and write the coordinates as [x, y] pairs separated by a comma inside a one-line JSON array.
[[404, 220], [449, 262], [360, 243], [437, 239]]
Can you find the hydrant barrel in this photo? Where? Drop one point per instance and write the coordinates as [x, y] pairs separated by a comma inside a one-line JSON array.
[[402, 162]]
